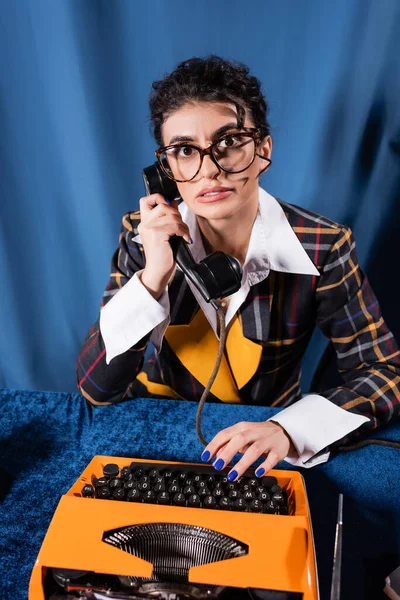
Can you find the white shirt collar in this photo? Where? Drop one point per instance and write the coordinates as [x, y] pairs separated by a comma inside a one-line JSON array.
[[273, 243]]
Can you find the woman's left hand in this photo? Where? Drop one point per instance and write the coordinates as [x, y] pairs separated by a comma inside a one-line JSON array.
[[252, 440]]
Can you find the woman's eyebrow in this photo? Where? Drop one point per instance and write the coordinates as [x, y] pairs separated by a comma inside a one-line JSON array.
[[217, 133]]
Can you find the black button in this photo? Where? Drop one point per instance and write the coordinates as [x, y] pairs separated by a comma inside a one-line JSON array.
[[194, 501], [188, 490], [163, 498], [174, 488], [179, 499], [111, 470], [154, 473], [101, 482], [149, 496], [203, 492], [159, 487], [268, 481], [256, 505], [240, 505], [209, 502], [116, 483], [118, 494], [134, 496], [103, 493], [131, 484], [87, 491], [248, 495], [225, 503], [233, 494], [126, 473]]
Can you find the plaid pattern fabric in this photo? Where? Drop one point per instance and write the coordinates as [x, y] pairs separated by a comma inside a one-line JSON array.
[[279, 313]]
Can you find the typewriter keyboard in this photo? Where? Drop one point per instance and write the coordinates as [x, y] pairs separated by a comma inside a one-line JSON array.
[[187, 486]]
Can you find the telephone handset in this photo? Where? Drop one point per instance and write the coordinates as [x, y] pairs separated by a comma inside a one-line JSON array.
[[216, 276]]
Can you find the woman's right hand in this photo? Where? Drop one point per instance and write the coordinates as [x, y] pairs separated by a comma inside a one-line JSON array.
[[159, 221]]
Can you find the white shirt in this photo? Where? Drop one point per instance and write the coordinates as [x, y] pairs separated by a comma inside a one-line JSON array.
[[313, 422]]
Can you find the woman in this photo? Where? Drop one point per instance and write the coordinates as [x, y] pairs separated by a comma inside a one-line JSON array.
[[299, 269]]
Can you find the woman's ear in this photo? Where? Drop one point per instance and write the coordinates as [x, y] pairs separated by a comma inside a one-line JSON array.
[[264, 151]]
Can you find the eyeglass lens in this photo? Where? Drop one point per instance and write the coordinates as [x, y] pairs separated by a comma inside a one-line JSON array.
[[232, 153]]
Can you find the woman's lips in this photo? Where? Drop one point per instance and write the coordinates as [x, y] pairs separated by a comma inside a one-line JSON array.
[[214, 196]]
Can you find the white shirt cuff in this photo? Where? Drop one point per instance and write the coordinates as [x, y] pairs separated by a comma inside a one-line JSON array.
[[130, 315], [313, 423]]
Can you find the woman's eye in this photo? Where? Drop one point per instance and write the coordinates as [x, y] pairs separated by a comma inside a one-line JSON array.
[[228, 142]]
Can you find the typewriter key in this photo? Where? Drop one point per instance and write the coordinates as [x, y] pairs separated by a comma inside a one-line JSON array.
[[159, 487], [174, 488], [248, 495], [233, 494], [270, 507], [101, 482], [149, 496], [163, 498], [240, 504], [134, 495], [209, 502], [198, 478], [103, 493], [179, 499], [126, 473], [111, 470], [194, 501], [268, 481], [87, 491], [203, 492], [218, 492], [118, 494], [189, 490], [264, 496], [143, 486], [256, 505], [131, 484], [254, 483], [275, 489], [225, 503], [278, 498], [154, 473], [201, 484], [210, 480], [116, 483]]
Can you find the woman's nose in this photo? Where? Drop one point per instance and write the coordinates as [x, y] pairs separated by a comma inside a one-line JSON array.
[[209, 168]]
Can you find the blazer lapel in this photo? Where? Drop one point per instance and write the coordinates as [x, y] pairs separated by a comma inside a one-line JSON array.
[[256, 310]]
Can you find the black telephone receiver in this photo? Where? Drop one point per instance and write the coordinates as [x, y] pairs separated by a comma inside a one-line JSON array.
[[216, 276]]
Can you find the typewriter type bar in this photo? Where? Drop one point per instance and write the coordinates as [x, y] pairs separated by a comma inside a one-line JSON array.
[[113, 538]]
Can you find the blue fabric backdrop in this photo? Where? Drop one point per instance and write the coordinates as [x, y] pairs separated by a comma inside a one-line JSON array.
[[74, 82]]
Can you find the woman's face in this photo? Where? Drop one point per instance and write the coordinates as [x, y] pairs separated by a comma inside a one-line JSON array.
[[199, 123]]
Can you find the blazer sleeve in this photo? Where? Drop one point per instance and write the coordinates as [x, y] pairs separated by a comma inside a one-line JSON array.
[[367, 355], [99, 382]]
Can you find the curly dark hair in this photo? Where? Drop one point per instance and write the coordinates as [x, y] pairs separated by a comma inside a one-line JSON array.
[[210, 79]]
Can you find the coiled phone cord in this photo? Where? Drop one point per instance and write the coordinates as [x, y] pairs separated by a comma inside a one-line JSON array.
[[222, 339], [221, 348]]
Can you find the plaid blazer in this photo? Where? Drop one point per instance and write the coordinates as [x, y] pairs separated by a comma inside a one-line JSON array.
[[279, 314]]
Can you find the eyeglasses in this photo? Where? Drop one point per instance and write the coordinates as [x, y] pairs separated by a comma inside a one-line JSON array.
[[233, 153]]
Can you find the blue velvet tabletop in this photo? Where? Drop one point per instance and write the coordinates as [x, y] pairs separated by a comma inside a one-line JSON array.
[[47, 439]]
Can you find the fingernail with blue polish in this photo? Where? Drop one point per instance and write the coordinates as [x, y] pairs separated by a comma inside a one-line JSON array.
[[168, 201], [260, 472], [232, 475], [191, 241], [205, 456], [218, 464]]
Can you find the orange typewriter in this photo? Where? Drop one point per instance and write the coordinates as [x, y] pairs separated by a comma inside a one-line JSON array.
[[138, 529]]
